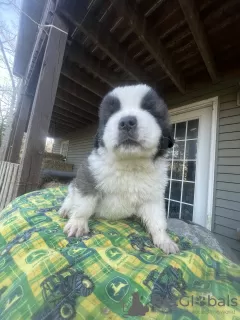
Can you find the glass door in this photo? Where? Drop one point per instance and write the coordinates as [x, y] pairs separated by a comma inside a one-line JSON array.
[[182, 170], [188, 171]]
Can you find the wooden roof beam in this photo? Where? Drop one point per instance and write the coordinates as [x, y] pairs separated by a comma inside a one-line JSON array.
[[79, 55], [82, 105], [78, 91], [75, 110], [59, 128], [57, 133], [152, 43], [69, 115], [66, 120], [79, 14], [61, 122], [73, 73], [197, 29]]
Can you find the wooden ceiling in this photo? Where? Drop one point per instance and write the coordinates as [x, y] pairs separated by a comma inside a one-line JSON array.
[[168, 44]]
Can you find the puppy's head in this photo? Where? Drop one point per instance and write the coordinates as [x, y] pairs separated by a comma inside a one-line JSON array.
[[133, 120]]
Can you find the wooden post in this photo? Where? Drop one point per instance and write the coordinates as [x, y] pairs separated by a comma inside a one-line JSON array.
[[30, 166], [21, 125]]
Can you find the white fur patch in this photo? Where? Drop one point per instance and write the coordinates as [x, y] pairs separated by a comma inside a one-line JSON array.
[[131, 96]]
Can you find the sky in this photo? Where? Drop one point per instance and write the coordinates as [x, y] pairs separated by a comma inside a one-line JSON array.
[[9, 16]]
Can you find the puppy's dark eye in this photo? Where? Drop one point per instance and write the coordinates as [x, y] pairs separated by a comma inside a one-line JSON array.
[[149, 105], [109, 106], [112, 104]]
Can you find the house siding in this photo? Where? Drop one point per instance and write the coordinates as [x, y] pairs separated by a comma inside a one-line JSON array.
[[80, 145], [226, 208], [227, 187], [57, 145]]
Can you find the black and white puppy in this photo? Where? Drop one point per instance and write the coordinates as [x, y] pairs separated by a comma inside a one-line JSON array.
[[126, 172]]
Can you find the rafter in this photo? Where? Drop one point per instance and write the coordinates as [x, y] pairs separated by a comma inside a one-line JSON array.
[[63, 118], [77, 12], [69, 115], [79, 55], [78, 91], [57, 130], [75, 110], [151, 42], [61, 122], [197, 29], [82, 105], [57, 127], [73, 73]]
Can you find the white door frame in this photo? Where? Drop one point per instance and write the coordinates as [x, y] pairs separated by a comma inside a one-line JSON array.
[[205, 110]]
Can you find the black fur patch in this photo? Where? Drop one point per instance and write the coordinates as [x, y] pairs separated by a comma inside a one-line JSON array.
[[84, 181], [109, 106], [158, 109]]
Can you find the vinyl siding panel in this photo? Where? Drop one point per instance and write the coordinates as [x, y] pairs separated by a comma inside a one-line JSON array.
[[229, 113], [57, 145], [80, 145], [231, 214], [235, 144], [229, 161], [229, 152], [229, 128], [229, 136], [225, 186], [227, 204], [227, 193]]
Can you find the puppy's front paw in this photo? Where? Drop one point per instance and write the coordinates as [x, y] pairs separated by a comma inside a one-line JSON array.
[[63, 213], [164, 242], [76, 227]]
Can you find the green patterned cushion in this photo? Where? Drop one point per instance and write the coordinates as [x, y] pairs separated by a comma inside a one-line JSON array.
[[112, 273]]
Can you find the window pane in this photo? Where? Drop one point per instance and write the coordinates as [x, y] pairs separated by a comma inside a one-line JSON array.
[[180, 131], [177, 170], [189, 170], [179, 150], [174, 209], [169, 169], [182, 170], [191, 149], [176, 190], [192, 132], [169, 153], [187, 212], [167, 191], [188, 192]]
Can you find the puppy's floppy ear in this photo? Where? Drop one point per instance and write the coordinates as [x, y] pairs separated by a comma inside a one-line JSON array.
[[167, 140], [96, 140]]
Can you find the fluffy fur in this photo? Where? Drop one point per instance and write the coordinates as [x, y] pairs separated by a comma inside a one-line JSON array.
[[126, 173]]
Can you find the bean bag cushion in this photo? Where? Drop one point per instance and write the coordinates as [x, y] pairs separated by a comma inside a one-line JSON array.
[[115, 272]]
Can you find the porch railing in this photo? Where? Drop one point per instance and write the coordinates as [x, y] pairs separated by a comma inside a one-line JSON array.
[[8, 177]]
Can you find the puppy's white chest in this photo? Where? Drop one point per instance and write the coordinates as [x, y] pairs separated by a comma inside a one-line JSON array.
[[122, 192], [123, 186]]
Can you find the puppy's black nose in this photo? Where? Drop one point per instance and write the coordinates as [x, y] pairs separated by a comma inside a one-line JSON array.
[[127, 123]]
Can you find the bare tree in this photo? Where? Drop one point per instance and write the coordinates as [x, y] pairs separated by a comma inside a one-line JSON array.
[[5, 101], [8, 88]]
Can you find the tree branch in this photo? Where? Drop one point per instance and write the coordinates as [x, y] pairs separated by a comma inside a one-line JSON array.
[[7, 65]]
